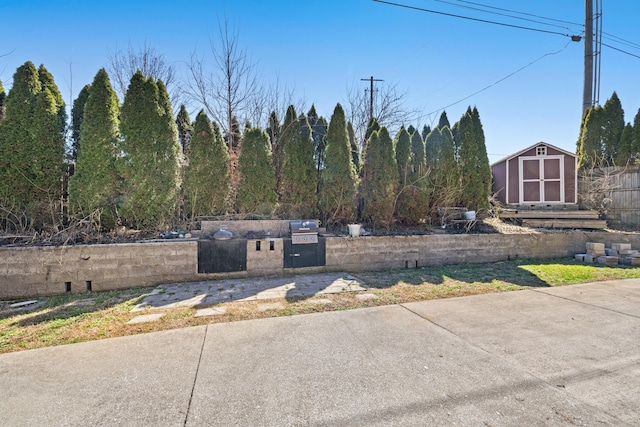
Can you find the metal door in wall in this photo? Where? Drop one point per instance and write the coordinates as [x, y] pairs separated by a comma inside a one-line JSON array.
[[222, 256], [542, 179], [304, 255]]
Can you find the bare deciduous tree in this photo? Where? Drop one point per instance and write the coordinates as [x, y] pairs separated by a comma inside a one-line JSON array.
[[230, 89], [124, 64], [389, 108]]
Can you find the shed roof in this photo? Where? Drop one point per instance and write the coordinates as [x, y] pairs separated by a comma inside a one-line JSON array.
[[511, 156]]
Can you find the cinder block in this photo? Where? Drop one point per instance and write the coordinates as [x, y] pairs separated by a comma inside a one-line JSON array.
[[620, 246], [595, 247], [607, 260], [580, 257], [611, 252], [628, 252], [630, 261], [588, 259]]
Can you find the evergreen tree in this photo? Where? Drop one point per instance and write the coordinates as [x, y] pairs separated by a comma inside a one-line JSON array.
[[444, 176], [298, 179], [433, 146], [46, 82], [319, 135], [94, 185], [353, 142], [444, 121], [379, 185], [149, 162], [612, 126], [407, 209], [590, 150], [402, 144], [256, 188], [626, 154], [635, 144], [2, 96], [473, 161], [273, 130], [426, 130], [185, 129], [77, 116], [31, 151], [338, 186], [206, 178]]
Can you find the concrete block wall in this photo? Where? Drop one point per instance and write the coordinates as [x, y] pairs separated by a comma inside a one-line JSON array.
[[56, 270], [39, 271], [264, 257]]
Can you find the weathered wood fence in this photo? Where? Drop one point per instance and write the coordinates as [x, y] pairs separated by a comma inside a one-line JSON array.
[[621, 190]]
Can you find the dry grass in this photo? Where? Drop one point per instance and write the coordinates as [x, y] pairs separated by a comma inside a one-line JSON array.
[[76, 318]]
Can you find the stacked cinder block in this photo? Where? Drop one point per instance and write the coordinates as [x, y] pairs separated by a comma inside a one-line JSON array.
[[594, 250], [626, 255], [619, 253]]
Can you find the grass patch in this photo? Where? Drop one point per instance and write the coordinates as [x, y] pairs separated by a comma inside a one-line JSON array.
[[75, 318]]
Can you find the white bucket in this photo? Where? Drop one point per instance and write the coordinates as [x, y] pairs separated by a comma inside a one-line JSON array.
[[354, 230], [470, 215]]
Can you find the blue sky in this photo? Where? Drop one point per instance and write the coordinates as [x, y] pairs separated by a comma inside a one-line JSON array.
[[323, 48]]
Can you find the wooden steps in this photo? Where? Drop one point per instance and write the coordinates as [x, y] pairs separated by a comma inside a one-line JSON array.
[[599, 224], [553, 218], [537, 214]]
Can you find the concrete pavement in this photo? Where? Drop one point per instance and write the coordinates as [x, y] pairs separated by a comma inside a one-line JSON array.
[[546, 356]]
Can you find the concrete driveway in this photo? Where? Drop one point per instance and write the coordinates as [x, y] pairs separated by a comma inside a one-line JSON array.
[[555, 356]]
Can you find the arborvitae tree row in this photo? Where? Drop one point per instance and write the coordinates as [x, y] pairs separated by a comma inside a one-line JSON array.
[[612, 126], [419, 177], [257, 179], [95, 184], [473, 162], [379, 185], [355, 152], [338, 186], [298, 178], [590, 152], [206, 178], [444, 173], [185, 129], [31, 151], [150, 162], [77, 116]]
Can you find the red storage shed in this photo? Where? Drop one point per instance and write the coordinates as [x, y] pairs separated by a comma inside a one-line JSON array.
[[538, 175]]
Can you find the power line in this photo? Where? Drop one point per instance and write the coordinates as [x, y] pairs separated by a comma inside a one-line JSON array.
[[501, 80], [620, 50], [521, 13], [503, 14], [470, 18]]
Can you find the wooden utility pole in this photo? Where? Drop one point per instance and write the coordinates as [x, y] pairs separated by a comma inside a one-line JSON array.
[[587, 92], [371, 79]]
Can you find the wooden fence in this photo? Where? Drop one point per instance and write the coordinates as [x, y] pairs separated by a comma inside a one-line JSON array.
[[622, 194]]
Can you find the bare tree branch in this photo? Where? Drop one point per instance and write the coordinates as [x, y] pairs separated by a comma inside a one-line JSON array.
[[389, 108], [124, 64]]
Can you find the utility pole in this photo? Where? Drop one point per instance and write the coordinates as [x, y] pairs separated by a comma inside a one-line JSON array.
[[371, 79], [587, 91], [592, 54]]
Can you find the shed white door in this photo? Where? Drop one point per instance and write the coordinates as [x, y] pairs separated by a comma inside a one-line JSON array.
[[542, 179]]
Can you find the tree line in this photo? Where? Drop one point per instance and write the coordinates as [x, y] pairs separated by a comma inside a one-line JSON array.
[[137, 164], [605, 139]]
